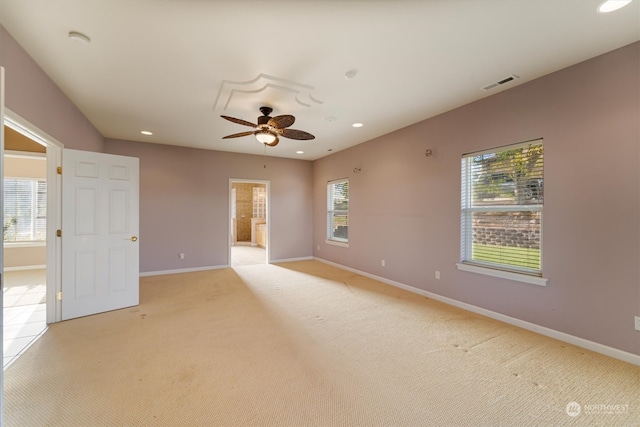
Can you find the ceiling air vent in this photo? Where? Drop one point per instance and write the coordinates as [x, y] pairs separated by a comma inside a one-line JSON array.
[[511, 78]]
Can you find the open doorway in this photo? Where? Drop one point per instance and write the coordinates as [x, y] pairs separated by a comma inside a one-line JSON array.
[[249, 222], [24, 243], [22, 138]]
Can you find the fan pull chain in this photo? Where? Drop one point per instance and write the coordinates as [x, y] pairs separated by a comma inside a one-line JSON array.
[[265, 155]]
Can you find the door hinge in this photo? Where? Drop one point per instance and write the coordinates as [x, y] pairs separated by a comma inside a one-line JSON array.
[[59, 170], [59, 233], [59, 296]]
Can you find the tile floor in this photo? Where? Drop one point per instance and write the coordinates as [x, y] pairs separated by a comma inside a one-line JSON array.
[[24, 311]]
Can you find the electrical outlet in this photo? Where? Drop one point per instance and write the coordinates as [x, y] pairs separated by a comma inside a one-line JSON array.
[[181, 256], [382, 263], [437, 275], [318, 247], [637, 323]]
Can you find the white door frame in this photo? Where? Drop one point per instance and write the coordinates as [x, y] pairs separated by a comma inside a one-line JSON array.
[[54, 207], [2, 252], [230, 237]]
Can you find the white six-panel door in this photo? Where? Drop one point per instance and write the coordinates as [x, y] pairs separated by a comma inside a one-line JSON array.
[[100, 266]]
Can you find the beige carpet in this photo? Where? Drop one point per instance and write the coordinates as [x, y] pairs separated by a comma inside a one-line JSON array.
[[306, 344]]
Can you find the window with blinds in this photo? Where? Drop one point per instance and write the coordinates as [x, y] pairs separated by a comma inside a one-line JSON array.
[[502, 199], [338, 210], [25, 210]]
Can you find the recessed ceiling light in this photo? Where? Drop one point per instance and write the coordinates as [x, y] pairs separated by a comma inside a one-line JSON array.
[[299, 152], [611, 5], [357, 125], [146, 132], [79, 38]]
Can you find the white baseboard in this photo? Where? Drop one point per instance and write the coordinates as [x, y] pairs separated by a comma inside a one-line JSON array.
[[25, 267], [278, 261], [552, 333], [182, 270], [214, 267]]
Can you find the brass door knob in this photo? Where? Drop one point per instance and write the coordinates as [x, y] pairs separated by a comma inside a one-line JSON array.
[[134, 238]]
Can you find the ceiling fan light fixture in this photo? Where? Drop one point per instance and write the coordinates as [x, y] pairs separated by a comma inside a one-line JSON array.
[[269, 129], [265, 137]]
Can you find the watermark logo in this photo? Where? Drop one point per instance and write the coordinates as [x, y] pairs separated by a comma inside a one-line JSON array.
[[606, 409], [573, 409]]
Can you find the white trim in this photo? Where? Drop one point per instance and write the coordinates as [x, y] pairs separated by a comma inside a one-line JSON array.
[[25, 244], [278, 261], [525, 278], [331, 239], [535, 141], [267, 184], [17, 123], [337, 243], [215, 267], [552, 333], [25, 267], [182, 270], [30, 155], [2, 112], [54, 207]]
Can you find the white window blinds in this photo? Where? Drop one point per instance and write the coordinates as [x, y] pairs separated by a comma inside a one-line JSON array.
[[502, 200], [338, 210], [25, 210]]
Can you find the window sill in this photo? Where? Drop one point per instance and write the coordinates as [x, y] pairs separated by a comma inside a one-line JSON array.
[[31, 244], [337, 243], [525, 278]]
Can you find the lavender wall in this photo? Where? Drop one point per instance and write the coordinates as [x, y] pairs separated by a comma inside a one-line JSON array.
[[31, 94], [405, 207], [184, 203]]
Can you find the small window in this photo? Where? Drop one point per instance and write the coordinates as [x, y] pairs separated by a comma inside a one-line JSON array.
[[338, 211], [502, 199], [25, 210]]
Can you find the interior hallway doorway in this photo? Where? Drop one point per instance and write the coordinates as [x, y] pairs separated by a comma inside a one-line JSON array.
[[248, 222], [24, 243]]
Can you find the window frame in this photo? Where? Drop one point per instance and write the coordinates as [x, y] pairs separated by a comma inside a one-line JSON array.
[[331, 211], [495, 269], [36, 207]]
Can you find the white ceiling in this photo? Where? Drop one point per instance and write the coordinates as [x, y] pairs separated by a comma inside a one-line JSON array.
[[173, 67]]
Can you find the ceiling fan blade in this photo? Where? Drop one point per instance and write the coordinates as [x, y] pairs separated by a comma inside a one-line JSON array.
[[281, 122], [239, 121], [295, 134], [238, 135], [274, 143]]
